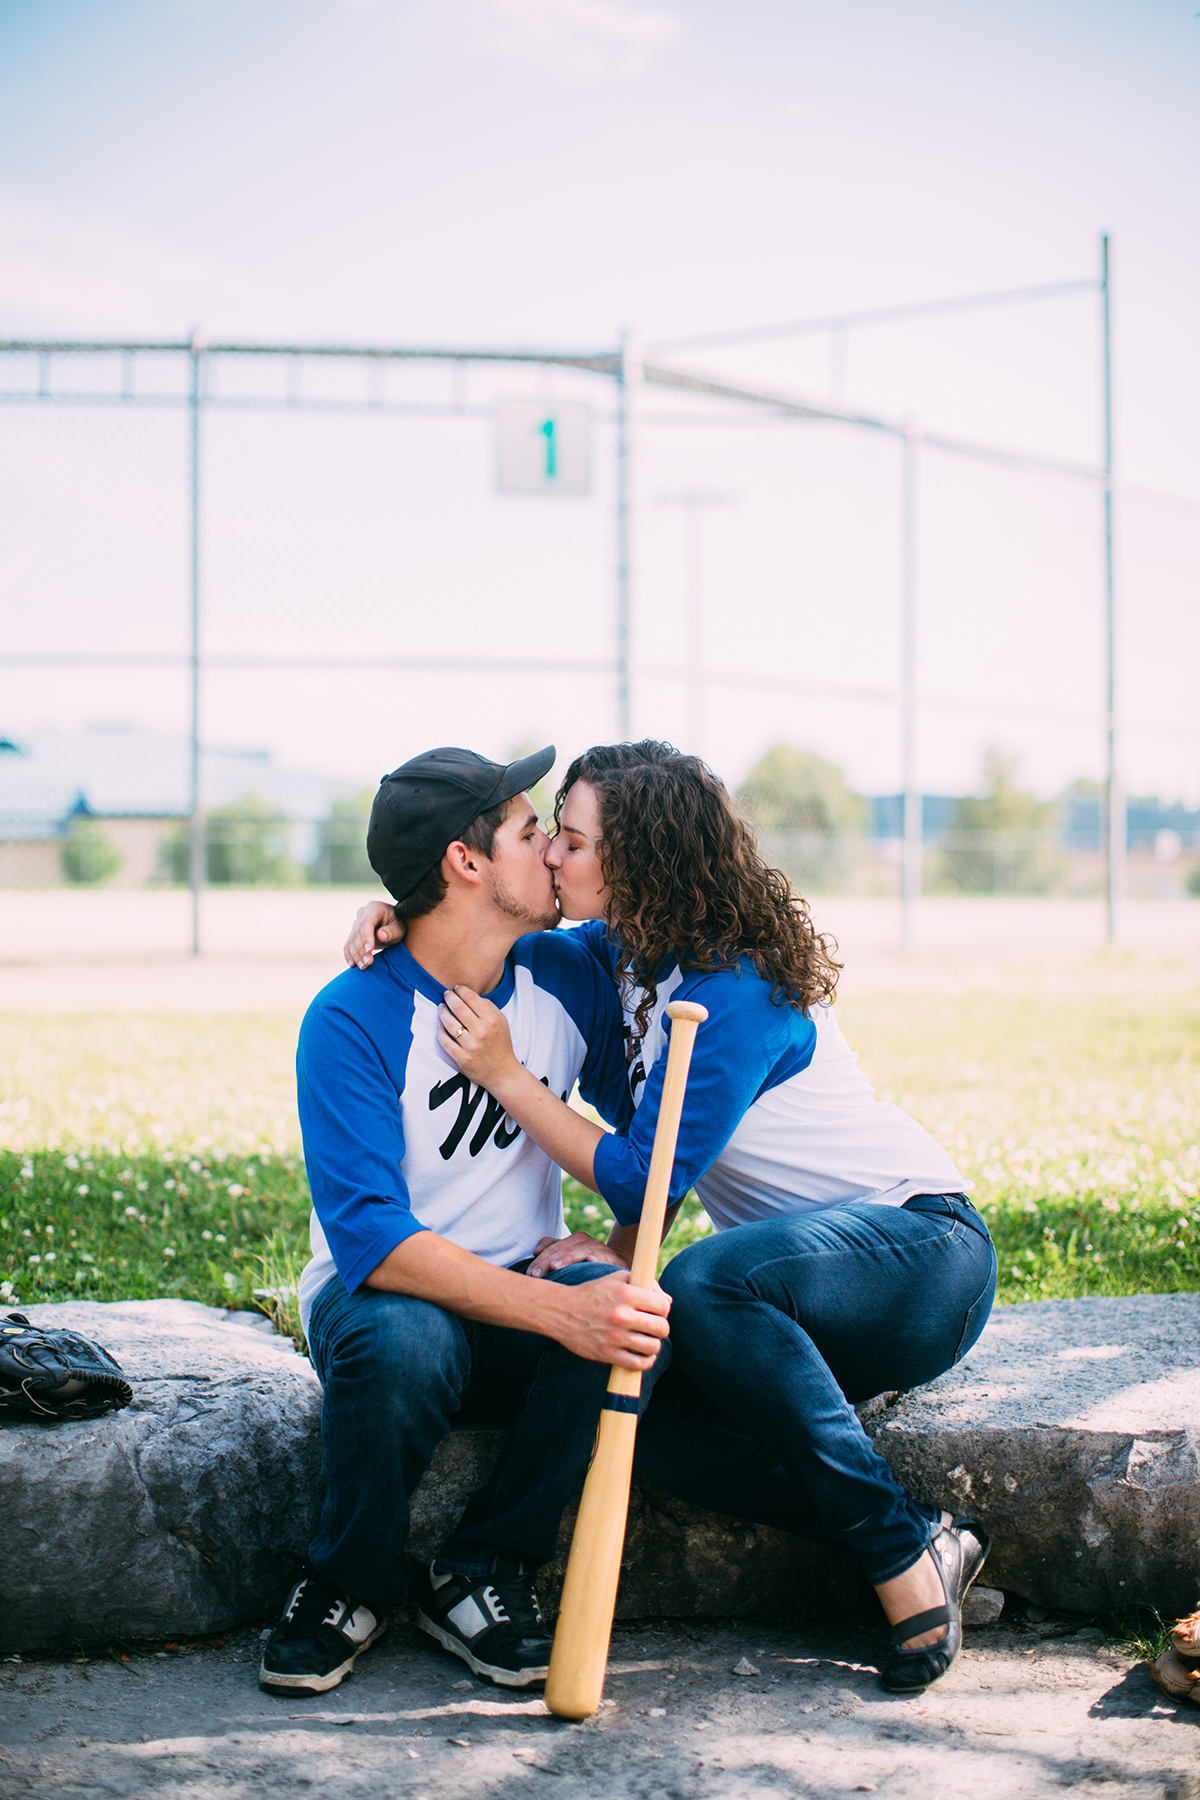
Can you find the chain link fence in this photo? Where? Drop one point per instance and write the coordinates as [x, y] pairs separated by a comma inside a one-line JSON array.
[[330, 554]]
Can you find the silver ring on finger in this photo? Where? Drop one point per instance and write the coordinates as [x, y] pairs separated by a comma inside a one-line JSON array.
[[459, 1032]]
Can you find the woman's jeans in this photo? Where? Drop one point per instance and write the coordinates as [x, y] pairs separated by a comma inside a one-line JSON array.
[[397, 1373], [777, 1328]]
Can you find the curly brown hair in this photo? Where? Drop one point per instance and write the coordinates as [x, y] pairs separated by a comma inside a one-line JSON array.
[[686, 880]]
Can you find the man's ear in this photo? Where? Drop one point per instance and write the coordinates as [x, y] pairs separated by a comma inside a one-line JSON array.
[[462, 864]]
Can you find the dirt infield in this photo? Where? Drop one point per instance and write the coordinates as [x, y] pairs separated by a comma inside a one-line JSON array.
[[72, 951], [1027, 1711]]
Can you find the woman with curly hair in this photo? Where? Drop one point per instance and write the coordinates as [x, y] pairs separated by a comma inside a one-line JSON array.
[[846, 1260]]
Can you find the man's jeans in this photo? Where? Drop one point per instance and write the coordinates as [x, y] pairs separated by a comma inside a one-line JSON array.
[[398, 1372], [777, 1328]]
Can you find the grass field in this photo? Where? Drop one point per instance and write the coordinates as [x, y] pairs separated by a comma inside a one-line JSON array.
[[159, 1155]]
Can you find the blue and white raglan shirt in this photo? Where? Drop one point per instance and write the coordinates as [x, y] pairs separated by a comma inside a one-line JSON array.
[[397, 1141], [778, 1117]]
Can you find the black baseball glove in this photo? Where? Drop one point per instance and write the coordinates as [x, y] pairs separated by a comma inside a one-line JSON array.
[[51, 1374]]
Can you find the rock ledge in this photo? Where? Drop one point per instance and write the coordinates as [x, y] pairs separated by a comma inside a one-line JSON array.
[[1072, 1431]]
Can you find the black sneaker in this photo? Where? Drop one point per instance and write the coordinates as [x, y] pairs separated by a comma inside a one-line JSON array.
[[315, 1644], [492, 1621]]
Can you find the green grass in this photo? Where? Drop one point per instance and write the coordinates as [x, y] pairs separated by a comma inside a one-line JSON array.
[[155, 1156], [1077, 1119], [100, 1227], [1143, 1633]]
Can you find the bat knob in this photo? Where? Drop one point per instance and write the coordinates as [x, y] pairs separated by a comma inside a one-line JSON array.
[[687, 1009]]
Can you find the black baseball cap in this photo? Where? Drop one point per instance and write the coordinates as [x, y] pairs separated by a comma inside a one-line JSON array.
[[425, 804]]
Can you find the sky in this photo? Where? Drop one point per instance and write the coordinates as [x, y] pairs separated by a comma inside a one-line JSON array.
[[545, 174]]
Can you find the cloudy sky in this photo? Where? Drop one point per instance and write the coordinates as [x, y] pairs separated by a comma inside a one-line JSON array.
[[544, 173]]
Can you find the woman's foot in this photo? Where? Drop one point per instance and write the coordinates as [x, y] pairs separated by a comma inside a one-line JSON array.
[[927, 1641], [918, 1590]]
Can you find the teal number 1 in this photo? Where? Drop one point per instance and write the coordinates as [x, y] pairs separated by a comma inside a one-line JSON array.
[[547, 431]]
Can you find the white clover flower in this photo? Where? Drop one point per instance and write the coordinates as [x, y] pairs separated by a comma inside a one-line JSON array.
[[221, 1238], [142, 1186], [35, 1259], [50, 1256], [26, 1172], [229, 1280], [117, 1194], [207, 1236], [131, 1212], [168, 1185], [234, 1191], [169, 1250], [6, 1290], [195, 1166], [72, 1162]]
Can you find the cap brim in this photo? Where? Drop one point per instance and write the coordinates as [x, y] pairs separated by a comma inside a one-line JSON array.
[[525, 773]]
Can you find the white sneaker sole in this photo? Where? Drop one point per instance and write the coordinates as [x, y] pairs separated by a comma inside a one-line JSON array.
[[317, 1684], [515, 1678]]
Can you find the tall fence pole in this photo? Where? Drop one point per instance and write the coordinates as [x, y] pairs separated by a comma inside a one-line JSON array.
[[910, 868], [1114, 800], [629, 381], [196, 830]]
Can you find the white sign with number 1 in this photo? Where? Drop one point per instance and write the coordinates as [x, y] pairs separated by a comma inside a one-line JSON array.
[[543, 448]]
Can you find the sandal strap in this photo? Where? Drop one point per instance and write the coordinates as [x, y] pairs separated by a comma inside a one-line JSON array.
[[910, 1628]]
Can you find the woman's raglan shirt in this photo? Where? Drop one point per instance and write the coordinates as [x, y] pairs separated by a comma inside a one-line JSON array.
[[397, 1141], [778, 1117]]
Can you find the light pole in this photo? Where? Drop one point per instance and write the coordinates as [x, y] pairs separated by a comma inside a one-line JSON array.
[[629, 380], [196, 821], [910, 868], [695, 503], [1114, 800]]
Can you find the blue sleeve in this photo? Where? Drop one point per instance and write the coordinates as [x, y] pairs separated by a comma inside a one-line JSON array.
[[349, 1106], [748, 1044], [595, 938], [579, 980]]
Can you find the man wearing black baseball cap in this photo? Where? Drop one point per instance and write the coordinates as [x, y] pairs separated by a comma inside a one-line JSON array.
[[428, 1204]]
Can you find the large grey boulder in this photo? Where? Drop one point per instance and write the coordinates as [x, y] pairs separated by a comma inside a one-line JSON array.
[[183, 1513], [187, 1511], [1072, 1430], [678, 1562]]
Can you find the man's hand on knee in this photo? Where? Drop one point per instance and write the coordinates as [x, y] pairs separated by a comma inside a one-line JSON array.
[[610, 1321]]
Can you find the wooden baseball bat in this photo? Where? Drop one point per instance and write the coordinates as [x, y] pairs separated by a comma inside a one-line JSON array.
[[589, 1597]]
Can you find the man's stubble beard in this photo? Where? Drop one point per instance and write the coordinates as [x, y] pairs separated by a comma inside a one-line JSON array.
[[549, 920]]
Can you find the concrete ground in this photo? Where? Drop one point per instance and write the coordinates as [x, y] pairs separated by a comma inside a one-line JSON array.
[[1029, 1710]]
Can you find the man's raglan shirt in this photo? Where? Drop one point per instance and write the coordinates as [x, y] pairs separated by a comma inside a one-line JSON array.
[[397, 1141], [777, 1119]]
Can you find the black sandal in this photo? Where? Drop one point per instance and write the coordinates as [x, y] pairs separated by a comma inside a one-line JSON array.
[[959, 1551]]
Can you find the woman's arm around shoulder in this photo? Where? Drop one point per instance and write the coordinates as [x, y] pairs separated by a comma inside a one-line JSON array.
[[375, 927]]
